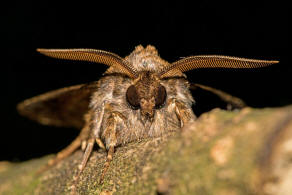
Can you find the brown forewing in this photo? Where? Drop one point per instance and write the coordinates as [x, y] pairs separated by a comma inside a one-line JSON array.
[[63, 107]]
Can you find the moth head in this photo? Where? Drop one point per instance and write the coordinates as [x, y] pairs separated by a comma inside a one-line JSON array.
[[146, 94]]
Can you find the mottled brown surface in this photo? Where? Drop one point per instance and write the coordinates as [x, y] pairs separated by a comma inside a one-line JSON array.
[[223, 152]]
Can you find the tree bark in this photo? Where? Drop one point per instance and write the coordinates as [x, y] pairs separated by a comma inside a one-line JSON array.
[[223, 152]]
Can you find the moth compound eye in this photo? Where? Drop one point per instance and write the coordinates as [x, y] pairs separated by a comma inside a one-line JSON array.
[[161, 97], [132, 97]]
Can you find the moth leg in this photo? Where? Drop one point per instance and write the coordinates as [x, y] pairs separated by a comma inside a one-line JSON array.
[[89, 147], [87, 128], [75, 144], [183, 112], [94, 121], [100, 143], [110, 137], [106, 165], [232, 101]]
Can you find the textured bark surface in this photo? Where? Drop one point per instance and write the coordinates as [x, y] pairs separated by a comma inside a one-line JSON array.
[[223, 152]]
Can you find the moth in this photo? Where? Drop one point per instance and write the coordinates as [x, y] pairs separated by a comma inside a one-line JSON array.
[[138, 96]]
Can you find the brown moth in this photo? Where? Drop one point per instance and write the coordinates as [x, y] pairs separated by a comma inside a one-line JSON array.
[[139, 96]]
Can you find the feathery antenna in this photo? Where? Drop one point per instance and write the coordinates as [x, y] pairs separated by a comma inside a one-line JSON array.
[[92, 55], [212, 61]]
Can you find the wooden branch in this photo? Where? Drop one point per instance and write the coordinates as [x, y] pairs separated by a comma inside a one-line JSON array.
[[223, 152]]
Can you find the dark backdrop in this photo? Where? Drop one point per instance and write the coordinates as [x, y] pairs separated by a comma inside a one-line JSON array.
[[255, 29]]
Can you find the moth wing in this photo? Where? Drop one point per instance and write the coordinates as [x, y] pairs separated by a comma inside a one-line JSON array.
[[62, 107], [235, 102]]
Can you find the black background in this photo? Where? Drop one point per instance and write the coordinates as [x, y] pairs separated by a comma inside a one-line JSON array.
[[257, 29]]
